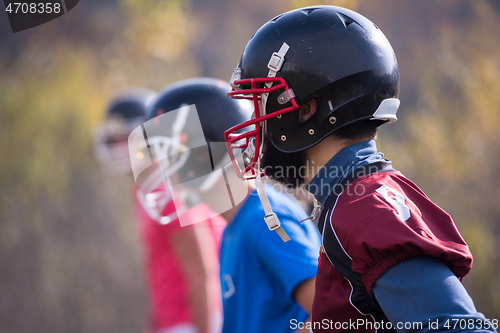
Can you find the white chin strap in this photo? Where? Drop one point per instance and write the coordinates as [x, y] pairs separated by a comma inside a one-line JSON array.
[[272, 220], [274, 65]]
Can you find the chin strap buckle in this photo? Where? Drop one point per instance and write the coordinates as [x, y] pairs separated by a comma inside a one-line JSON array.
[[274, 65], [272, 220], [274, 224], [277, 60]]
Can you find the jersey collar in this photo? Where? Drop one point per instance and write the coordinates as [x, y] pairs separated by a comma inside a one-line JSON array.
[[346, 160]]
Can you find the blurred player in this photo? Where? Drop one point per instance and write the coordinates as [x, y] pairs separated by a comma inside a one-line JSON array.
[[322, 80], [125, 112], [265, 283], [181, 263]]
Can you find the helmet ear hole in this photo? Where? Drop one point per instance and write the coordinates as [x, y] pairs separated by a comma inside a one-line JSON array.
[[308, 109]]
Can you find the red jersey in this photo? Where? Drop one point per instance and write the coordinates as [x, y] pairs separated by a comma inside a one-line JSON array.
[[378, 220], [167, 283]]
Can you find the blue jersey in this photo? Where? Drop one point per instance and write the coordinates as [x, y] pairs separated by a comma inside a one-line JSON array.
[[259, 272]]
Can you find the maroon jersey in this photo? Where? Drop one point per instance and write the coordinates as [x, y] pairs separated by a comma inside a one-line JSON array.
[[378, 220]]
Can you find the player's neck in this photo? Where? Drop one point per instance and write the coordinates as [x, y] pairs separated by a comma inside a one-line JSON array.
[[320, 154]]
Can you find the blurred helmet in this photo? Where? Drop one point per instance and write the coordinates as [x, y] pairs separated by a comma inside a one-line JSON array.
[[126, 111], [332, 54], [182, 140]]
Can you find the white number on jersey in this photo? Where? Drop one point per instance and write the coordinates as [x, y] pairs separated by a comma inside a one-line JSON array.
[[397, 200]]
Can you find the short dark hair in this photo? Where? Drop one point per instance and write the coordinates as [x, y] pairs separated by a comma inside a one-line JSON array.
[[358, 130]]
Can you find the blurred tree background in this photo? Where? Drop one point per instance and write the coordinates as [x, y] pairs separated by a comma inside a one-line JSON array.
[[70, 258]]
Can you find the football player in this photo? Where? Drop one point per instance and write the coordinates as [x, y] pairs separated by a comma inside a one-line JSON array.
[[322, 80], [265, 283], [181, 263], [126, 110]]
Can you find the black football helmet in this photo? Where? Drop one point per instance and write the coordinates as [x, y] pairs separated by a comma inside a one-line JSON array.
[[126, 111], [326, 52], [184, 134]]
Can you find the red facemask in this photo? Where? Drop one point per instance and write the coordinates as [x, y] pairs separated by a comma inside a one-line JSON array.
[[251, 155]]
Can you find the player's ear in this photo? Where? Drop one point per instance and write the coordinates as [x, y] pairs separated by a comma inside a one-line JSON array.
[[308, 109]]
